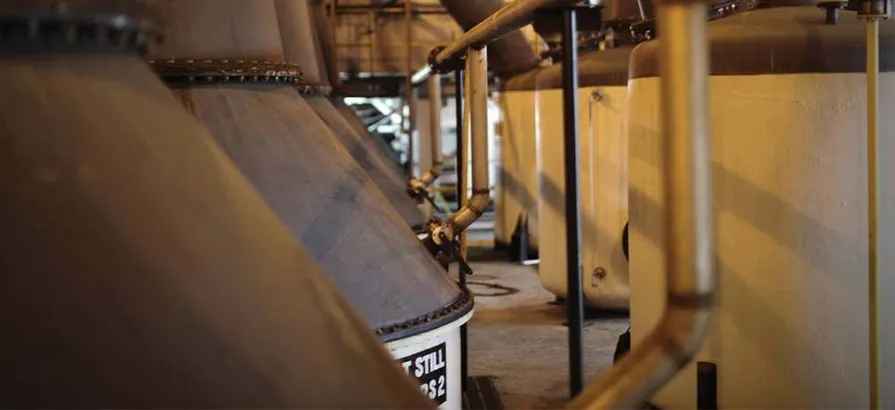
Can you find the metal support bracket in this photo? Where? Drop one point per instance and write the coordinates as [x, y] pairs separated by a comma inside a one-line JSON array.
[[457, 63], [444, 245], [874, 10], [646, 30], [421, 193]]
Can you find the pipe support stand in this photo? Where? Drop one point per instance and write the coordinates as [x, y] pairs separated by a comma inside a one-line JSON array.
[[872, 12]]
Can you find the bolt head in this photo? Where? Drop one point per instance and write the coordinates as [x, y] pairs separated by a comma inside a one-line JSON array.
[[599, 273]]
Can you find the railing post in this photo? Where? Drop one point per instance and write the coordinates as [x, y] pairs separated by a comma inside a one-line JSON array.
[[872, 11], [575, 298], [434, 129], [408, 85], [474, 123], [461, 202]]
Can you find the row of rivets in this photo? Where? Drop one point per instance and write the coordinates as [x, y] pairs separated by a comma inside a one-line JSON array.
[[117, 31], [462, 301]]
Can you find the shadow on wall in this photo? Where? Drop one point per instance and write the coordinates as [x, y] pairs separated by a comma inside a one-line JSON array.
[[554, 197], [775, 219], [762, 319]]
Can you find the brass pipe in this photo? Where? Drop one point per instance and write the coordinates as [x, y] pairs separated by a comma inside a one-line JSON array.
[[474, 128], [477, 114], [435, 130], [688, 218], [420, 75], [873, 188], [429, 177], [513, 16], [463, 160], [408, 85]]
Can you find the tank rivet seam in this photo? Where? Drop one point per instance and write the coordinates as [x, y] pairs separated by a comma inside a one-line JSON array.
[[86, 29], [461, 303], [188, 72], [214, 71]]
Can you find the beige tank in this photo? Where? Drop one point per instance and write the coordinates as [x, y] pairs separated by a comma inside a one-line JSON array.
[[787, 111], [534, 108]]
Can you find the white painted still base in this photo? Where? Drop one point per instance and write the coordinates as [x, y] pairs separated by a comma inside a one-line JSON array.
[[789, 156], [433, 359], [603, 192]]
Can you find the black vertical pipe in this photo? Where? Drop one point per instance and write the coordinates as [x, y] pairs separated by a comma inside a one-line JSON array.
[[408, 166], [706, 386], [575, 302], [461, 150], [461, 202]]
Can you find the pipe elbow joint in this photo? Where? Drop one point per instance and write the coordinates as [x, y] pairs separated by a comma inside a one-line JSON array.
[[429, 177], [685, 326], [436, 240], [480, 200], [444, 67], [473, 210], [437, 169], [418, 189]]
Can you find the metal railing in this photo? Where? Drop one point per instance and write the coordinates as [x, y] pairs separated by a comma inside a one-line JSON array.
[[689, 219]]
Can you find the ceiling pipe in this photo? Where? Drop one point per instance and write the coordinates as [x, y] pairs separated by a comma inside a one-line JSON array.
[[493, 30], [688, 218], [503, 22], [508, 55]]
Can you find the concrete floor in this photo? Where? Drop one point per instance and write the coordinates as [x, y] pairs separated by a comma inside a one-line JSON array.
[[521, 340]]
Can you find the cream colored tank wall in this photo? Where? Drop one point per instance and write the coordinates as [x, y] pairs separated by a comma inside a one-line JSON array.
[[603, 191], [501, 228], [790, 192], [519, 178]]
